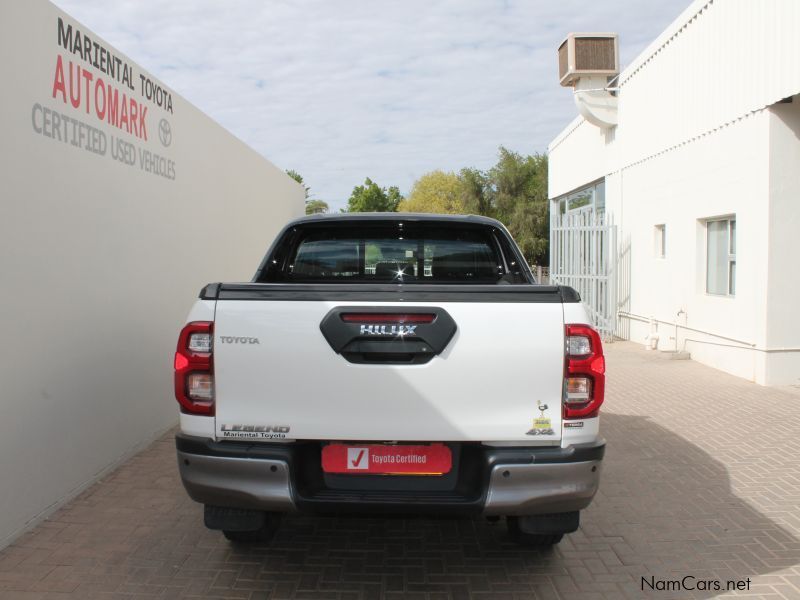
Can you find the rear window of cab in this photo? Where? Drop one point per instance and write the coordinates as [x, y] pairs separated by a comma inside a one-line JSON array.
[[393, 253]]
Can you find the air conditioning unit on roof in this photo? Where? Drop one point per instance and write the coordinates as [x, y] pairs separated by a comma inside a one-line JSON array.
[[586, 63], [588, 55]]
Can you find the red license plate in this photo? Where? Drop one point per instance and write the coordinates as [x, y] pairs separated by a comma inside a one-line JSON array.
[[355, 459]]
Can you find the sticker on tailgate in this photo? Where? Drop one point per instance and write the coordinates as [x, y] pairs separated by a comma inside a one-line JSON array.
[[253, 431], [402, 459], [542, 425]]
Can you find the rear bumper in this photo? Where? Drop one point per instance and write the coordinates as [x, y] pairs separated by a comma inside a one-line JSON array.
[[485, 480]]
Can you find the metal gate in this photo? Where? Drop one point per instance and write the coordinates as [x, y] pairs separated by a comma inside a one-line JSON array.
[[583, 256]]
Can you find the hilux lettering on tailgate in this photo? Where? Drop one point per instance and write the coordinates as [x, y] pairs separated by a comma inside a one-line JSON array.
[[388, 329]]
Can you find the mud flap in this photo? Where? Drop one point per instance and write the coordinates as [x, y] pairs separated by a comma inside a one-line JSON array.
[[553, 523], [233, 519]]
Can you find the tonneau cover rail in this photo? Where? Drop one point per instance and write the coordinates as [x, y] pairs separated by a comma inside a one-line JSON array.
[[390, 292]]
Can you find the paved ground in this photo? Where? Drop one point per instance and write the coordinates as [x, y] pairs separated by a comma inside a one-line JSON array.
[[702, 478]]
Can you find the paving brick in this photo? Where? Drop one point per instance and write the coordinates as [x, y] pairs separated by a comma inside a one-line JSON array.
[[700, 478]]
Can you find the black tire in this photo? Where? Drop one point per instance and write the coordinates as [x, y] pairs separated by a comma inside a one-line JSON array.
[[264, 534], [538, 540]]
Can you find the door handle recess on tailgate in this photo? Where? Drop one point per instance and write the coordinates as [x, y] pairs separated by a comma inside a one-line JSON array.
[[386, 335]]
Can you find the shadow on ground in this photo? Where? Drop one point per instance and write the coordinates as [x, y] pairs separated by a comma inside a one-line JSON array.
[[665, 511]]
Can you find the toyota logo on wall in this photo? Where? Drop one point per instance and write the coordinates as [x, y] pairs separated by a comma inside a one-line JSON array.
[[165, 132]]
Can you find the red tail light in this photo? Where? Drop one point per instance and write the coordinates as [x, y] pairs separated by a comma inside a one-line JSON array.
[[584, 376], [194, 368], [388, 318]]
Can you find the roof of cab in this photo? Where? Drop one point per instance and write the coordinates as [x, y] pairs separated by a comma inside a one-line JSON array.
[[395, 216]]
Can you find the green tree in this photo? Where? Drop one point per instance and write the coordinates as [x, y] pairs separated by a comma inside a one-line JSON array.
[[435, 192], [475, 195], [315, 207], [514, 191], [370, 197], [518, 191]]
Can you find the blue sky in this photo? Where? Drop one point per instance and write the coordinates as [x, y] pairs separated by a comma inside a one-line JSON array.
[[343, 90]]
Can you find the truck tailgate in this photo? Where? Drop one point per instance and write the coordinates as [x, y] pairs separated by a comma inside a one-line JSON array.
[[499, 378]]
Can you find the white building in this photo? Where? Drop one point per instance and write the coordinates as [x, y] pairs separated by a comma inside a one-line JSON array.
[[119, 201], [680, 223]]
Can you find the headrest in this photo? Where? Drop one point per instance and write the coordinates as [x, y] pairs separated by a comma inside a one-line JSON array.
[[461, 267]]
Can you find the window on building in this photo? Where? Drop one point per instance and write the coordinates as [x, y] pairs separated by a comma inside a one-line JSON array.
[[721, 256], [581, 199], [600, 196], [660, 240], [592, 197]]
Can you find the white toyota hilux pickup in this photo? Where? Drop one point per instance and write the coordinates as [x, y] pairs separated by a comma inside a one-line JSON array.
[[384, 363]]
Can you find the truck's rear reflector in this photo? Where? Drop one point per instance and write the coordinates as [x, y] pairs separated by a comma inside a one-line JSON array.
[[194, 368], [584, 377], [387, 318]]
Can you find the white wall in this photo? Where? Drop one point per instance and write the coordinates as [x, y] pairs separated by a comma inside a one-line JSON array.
[[725, 173], [720, 60], [577, 156], [100, 262], [783, 324]]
